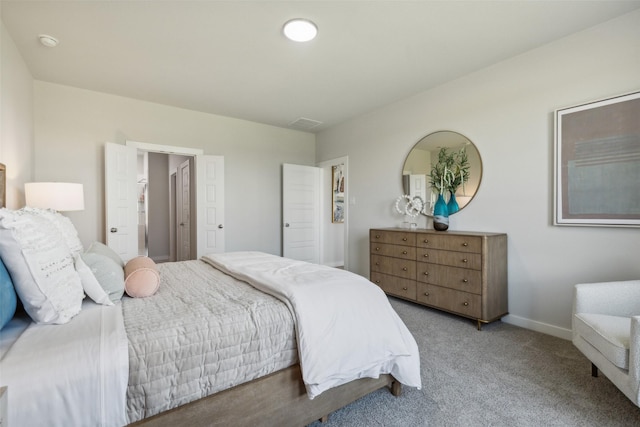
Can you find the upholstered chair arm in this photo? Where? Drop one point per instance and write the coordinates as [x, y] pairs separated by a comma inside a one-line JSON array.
[[613, 298], [634, 357]]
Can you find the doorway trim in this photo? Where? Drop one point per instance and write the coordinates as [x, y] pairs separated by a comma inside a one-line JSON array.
[[326, 165], [168, 149]]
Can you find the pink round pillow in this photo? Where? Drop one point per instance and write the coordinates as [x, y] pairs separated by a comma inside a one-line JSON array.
[[141, 278]]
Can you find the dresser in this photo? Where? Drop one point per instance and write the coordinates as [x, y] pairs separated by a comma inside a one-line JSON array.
[[464, 273]]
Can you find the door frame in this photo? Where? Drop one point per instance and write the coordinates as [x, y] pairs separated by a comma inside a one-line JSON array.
[[168, 149], [324, 204]]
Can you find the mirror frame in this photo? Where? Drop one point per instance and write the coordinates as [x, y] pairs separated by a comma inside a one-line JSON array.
[[432, 143]]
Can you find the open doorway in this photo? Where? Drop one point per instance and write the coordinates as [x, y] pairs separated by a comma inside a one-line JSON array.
[[165, 206]]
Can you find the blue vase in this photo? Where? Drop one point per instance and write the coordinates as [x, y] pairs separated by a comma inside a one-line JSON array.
[[440, 214], [452, 206]]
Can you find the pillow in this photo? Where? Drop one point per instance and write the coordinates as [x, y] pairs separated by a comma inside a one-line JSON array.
[[8, 299], [102, 249], [90, 284], [41, 267], [63, 225], [107, 272], [141, 277]]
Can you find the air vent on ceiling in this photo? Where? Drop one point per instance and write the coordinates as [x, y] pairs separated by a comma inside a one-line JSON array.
[[302, 123]]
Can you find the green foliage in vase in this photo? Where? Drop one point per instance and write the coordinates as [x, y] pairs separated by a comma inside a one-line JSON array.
[[450, 172]]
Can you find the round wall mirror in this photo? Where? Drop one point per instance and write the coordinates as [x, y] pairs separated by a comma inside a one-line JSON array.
[[417, 169]]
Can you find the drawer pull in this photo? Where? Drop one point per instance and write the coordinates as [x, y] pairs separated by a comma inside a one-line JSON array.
[[465, 260], [426, 255], [404, 268], [465, 281], [426, 273], [404, 252], [465, 244], [466, 304], [404, 239], [404, 289], [377, 236], [377, 281], [377, 263], [377, 249], [426, 294]]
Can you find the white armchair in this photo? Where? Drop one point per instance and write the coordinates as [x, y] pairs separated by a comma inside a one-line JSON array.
[[606, 329]]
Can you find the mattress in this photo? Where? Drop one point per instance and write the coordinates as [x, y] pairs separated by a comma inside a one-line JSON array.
[[202, 332]]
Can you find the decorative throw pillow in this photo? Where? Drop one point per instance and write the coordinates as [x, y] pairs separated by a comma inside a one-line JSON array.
[[63, 225], [41, 267], [102, 249], [141, 277], [107, 272], [90, 284], [8, 298]]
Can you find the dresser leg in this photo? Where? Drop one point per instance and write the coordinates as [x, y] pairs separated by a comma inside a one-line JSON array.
[[479, 325]]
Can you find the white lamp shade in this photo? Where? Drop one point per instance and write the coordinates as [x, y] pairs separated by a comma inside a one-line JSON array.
[[60, 196]]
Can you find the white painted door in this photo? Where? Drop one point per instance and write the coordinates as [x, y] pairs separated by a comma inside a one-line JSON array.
[[121, 200], [210, 204], [183, 230], [301, 212]]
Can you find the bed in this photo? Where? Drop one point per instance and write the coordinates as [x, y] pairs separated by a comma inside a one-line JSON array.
[[230, 339]]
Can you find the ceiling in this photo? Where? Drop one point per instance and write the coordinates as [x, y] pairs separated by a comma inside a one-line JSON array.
[[230, 57]]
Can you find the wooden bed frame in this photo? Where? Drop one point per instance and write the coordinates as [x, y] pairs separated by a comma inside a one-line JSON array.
[[277, 399]]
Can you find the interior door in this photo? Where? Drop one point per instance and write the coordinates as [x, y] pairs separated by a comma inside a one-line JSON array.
[[210, 204], [121, 200], [301, 212], [183, 230]]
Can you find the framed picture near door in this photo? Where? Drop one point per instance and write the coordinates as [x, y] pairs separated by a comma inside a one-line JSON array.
[[598, 163], [3, 186], [337, 193]]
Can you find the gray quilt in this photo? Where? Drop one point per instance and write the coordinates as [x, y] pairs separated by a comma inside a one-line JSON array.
[[202, 332]]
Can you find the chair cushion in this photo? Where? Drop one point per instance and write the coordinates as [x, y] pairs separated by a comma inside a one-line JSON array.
[[608, 334]]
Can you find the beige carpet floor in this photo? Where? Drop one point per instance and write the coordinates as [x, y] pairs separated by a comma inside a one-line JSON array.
[[502, 375]]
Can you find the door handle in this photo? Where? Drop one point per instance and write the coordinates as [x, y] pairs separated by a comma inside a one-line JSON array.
[[220, 226], [286, 224], [114, 230], [182, 224]]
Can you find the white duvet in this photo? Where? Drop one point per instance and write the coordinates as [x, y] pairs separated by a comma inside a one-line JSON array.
[[345, 326]]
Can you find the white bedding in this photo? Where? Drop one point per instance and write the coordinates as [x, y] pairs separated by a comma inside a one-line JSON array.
[[77, 371], [346, 327]]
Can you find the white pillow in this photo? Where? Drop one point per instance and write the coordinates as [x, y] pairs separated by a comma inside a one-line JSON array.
[[63, 225], [90, 283], [107, 272], [41, 267]]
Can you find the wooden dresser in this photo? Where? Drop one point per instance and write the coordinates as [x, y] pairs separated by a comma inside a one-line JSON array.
[[464, 273]]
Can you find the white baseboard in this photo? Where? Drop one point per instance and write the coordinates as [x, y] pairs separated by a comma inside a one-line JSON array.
[[334, 264], [545, 328]]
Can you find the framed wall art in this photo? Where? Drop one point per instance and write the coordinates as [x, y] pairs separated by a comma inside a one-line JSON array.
[[597, 163], [3, 186], [337, 193]]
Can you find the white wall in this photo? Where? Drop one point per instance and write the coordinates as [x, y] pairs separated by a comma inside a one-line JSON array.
[[72, 125], [16, 124], [507, 111]]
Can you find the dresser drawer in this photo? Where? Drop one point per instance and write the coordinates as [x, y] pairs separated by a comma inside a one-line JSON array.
[[394, 266], [450, 242], [397, 286], [448, 299], [393, 237], [461, 279], [396, 251], [452, 258]]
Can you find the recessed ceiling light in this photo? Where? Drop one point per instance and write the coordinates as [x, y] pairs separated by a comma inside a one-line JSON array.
[[300, 30], [47, 40]]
